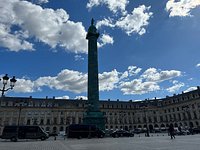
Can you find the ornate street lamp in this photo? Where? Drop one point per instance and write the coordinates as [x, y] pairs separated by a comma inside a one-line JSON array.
[[20, 105], [5, 82], [19, 115]]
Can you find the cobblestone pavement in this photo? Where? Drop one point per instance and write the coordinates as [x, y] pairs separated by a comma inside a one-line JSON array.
[[189, 142]]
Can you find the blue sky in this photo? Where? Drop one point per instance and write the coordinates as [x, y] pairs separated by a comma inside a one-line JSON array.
[[146, 49]]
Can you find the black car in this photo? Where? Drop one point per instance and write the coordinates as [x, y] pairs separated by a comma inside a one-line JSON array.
[[137, 131], [195, 131], [23, 132], [122, 133], [182, 132], [84, 131]]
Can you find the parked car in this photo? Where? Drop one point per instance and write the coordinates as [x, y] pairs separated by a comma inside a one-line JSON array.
[[84, 131], [23, 132], [137, 131], [157, 130], [195, 130], [186, 132], [181, 132], [122, 133], [108, 133]]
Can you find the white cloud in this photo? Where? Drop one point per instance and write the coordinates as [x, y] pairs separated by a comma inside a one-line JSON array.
[[76, 82], [177, 85], [124, 75], [198, 65], [174, 81], [63, 97], [39, 1], [66, 80], [152, 74], [52, 27], [81, 97], [136, 86], [13, 41], [108, 80], [78, 57], [181, 7], [148, 81], [113, 5], [42, 1], [46, 25], [105, 39], [134, 22], [25, 86], [133, 70], [190, 89], [105, 22]]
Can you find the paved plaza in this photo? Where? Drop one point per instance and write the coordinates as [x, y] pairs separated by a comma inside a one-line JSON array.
[[161, 142]]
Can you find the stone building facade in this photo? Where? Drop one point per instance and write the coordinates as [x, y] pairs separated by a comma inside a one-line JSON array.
[[55, 115]]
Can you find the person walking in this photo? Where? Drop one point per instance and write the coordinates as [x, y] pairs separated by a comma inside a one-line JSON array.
[[171, 131]]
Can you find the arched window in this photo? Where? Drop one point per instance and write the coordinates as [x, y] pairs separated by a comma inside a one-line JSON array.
[[54, 129], [61, 128], [47, 128]]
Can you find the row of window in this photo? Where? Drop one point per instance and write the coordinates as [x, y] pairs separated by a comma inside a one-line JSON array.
[[102, 105], [36, 121], [181, 98]]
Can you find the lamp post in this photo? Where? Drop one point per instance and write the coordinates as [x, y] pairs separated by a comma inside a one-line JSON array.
[[5, 82], [19, 116], [20, 106]]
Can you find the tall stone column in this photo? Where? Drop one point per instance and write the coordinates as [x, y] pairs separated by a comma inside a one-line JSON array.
[[93, 81], [93, 115]]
